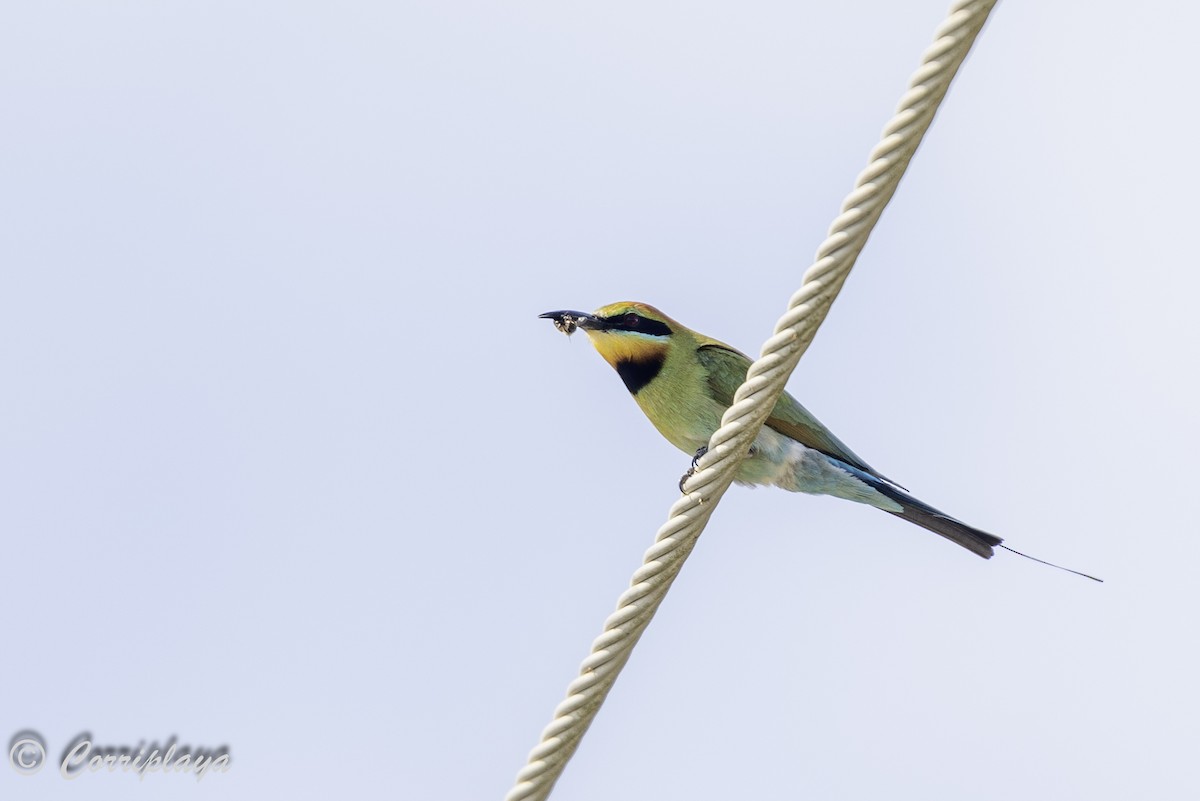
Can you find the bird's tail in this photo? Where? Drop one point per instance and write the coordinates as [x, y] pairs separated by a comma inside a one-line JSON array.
[[927, 517]]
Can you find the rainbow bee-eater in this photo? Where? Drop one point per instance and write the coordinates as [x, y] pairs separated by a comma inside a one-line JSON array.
[[684, 381]]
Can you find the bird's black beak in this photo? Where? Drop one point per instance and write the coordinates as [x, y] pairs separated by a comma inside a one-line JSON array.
[[568, 321]]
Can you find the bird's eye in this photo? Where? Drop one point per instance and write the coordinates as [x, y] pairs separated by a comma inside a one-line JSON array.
[[632, 320]]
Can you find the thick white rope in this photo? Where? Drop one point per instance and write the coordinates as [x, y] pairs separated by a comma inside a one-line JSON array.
[[754, 399]]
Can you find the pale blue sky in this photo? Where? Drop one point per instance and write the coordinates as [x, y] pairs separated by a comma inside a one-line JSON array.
[[288, 463]]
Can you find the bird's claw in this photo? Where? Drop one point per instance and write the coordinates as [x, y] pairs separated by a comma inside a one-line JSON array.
[[691, 471]]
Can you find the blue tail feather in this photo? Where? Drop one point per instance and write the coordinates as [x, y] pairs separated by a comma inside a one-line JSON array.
[[925, 516]]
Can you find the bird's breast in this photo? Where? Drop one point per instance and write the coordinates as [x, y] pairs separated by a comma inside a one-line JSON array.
[[681, 410]]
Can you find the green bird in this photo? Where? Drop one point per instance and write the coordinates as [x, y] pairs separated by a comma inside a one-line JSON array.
[[684, 381]]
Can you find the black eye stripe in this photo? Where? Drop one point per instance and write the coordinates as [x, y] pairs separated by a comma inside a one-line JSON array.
[[635, 322]]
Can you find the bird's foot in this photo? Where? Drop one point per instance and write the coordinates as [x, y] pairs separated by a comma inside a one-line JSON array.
[[691, 471]]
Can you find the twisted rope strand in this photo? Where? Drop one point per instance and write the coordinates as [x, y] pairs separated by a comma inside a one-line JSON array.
[[754, 399]]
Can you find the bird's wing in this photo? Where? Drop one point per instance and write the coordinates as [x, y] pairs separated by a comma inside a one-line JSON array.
[[726, 372]]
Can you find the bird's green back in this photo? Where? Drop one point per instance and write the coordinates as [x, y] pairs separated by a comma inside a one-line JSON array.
[[727, 371]]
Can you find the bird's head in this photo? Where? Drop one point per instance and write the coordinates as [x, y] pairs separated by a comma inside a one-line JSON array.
[[633, 337]]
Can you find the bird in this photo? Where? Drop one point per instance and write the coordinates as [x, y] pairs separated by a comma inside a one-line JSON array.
[[684, 381]]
